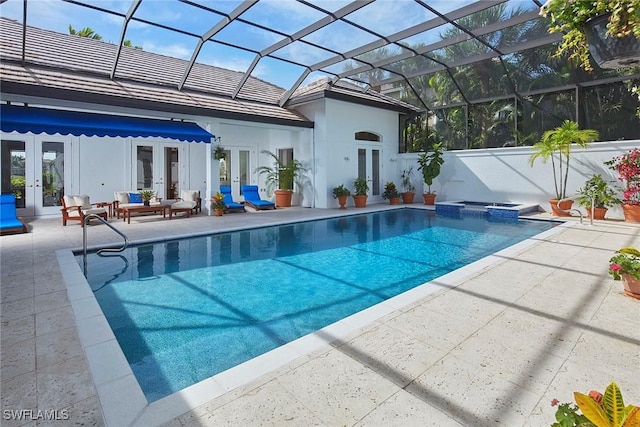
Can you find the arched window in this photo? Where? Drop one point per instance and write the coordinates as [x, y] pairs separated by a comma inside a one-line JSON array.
[[367, 136]]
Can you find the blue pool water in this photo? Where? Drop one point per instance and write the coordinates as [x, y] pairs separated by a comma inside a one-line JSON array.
[[187, 309]]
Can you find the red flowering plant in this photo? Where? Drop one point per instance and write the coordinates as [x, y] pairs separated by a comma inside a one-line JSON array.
[[628, 168], [625, 261]]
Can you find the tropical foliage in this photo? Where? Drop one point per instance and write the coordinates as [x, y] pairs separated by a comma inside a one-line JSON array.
[[429, 163], [360, 186], [600, 191], [340, 190], [390, 191], [556, 145], [281, 175]]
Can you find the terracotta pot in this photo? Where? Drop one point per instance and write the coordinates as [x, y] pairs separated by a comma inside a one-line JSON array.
[[565, 205], [429, 198], [407, 198], [283, 198], [631, 212], [598, 213], [631, 286], [394, 201], [342, 200], [218, 212], [360, 201]]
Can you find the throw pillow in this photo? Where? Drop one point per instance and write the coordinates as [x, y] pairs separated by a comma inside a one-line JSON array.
[[135, 198]]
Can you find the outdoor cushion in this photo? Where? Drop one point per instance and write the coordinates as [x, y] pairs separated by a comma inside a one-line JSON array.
[[9, 222], [252, 198], [135, 198], [228, 199], [121, 196], [184, 205], [69, 201], [82, 201], [189, 195]]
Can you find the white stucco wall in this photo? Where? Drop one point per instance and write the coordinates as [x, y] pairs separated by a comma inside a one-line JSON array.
[[336, 149], [505, 175]]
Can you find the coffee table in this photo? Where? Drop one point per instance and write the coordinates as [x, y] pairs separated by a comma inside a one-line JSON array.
[[126, 212]]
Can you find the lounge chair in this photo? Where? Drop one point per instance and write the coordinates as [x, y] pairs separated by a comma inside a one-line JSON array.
[[252, 198], [189, 202], [231, 206], [9, 222], [75, 208]]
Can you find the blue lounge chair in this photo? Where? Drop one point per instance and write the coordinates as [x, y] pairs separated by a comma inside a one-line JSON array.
[[9, 222], [252, 198], [228, 200]]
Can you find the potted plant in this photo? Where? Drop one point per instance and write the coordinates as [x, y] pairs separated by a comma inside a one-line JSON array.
[[628, 168], [408, 189], [218, 153], [281, 177], [147, 195], [430, 162], [625, 266], [608, 29], [341, 193], [391, 193], [217, 204], [360, 194], [598, 194], [597, 410], [556, 145]]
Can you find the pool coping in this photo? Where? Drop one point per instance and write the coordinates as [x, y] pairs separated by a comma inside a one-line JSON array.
[[121, 398]]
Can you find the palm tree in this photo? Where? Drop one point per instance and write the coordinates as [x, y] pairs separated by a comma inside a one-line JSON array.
[[85, 32], [559, 141]]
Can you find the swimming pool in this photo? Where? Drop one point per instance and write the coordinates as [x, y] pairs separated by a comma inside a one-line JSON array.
[[185, 310]]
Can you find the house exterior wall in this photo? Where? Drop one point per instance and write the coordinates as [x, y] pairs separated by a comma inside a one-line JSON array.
[[99, 166], [505, 175], [336, 149]]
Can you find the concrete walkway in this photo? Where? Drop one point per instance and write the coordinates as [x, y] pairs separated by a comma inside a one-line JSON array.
[[493, 349]]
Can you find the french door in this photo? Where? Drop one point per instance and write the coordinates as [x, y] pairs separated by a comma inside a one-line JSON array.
[[369, 168], [236, 168], [34, 170], [157, 167]]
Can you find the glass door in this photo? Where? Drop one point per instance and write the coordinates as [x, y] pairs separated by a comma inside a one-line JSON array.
[[157, 167], [369, 169], [34, 170], [235, 169]]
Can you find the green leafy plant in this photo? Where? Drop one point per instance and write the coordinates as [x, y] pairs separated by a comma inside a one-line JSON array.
[[598, 189], [598, 410], [281, 176], [18, 184], [390, 191], [430, 163], [340, 190], [217, 201], [570, 16], [625, 261], [360, 187], [147, 195], [407, 185], [219, 153], [558, 142]]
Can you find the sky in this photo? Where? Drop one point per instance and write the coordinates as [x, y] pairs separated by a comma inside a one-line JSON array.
[[287, 16]]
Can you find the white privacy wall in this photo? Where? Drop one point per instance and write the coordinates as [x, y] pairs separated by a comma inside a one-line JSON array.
[[505, 175]]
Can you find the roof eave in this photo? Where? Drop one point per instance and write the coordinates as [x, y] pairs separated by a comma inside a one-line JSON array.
[[15, 88], [348, 98]]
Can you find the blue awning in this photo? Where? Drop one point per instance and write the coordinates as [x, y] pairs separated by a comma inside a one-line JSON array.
[[43, 120]]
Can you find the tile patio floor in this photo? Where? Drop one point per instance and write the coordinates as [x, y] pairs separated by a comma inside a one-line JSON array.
[[493, 350]]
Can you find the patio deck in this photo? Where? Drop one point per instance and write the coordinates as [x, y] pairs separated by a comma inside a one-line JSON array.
[[494, 349]]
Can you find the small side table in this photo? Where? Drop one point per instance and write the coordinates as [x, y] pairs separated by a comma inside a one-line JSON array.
[[106, 205]]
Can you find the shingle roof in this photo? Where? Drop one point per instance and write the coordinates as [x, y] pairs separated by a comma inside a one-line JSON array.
[[76, 68], [323, 87]]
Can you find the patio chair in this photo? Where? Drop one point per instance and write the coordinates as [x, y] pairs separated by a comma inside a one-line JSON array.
[[9, 222], [75, 208], [189, 202], [252, 198], [228, 200]]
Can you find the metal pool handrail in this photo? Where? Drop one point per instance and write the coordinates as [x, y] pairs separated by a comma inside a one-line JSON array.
[[85, 221]]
